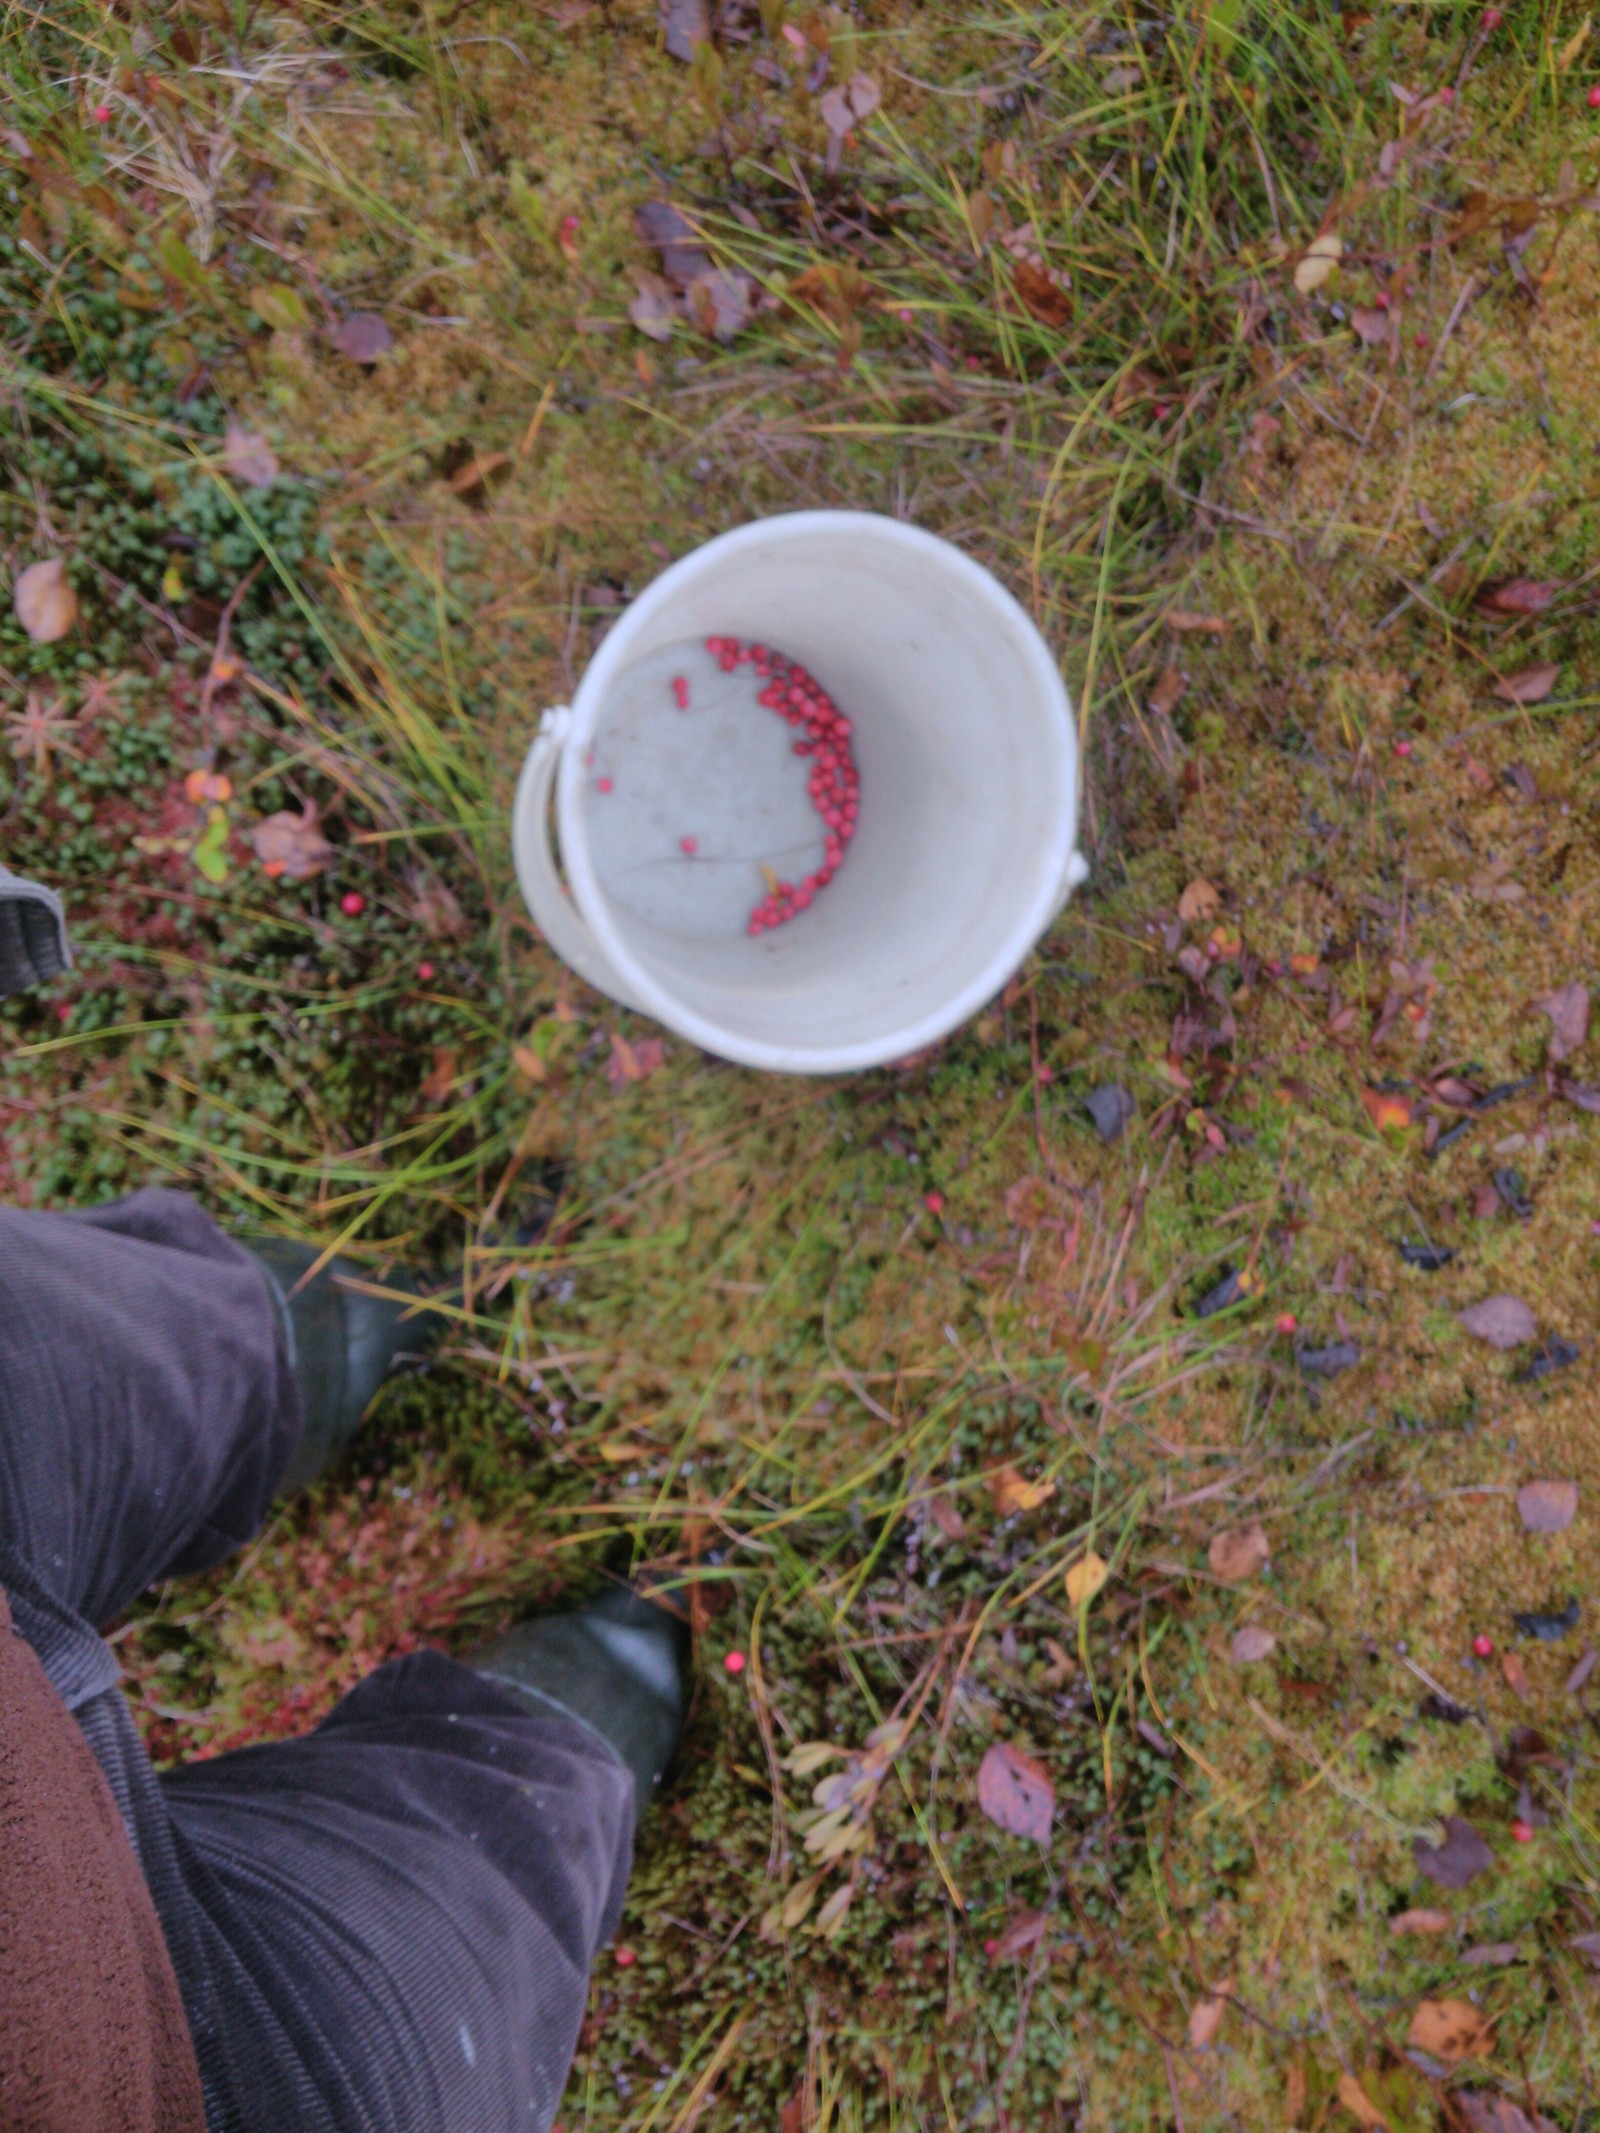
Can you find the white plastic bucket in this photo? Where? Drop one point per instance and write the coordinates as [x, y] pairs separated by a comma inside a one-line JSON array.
[[967, 842]]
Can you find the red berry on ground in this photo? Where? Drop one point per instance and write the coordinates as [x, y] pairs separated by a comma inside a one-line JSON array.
[[1402, 747], [352, 903], [734, 1663], [1482, 1646], [1447, 95], [934, 1202], [624, 1958], [1287, 1322], [1492, 19], [425, 971], [1522, 1831], [102, 114], [1594, 97], [991, 1948]]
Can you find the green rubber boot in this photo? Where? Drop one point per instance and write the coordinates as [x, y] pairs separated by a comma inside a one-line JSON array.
[[341, 1344], [619, 1665]]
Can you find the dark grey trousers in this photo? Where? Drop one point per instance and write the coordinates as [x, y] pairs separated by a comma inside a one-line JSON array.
[[387, 1925]]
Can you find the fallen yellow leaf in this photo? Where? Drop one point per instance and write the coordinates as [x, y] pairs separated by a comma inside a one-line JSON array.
[[1085, 1578]]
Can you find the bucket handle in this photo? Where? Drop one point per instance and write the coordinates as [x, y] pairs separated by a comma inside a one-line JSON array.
[[547, 896]]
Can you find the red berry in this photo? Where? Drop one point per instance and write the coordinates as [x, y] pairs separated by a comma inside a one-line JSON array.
[[691, 845], [1402, 747], [734, 1663], [425, 971], [1594, 97], [1482, 1646], [102, 114], [1492, 19], [624, 1958], [934, 1202], [602, 784], [1447, 95], [991, 1948], [1522, 1831], [352, 903], [1287, 1322]]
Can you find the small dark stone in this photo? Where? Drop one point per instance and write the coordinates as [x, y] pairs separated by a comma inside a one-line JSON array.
[[1550, 1356], [1433, 1706], [1508, 1184], [1428, 1257], [1503, 1092], [1111, 1108], [1217, 1299], [1328, 1362], [1549, 1629]]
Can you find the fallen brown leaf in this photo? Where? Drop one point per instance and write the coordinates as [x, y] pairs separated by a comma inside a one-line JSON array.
[[1459, 1859], [1199, 901], [1206, 2016], [1450, 2030], [1547, 1506], [44, 600], [1502, 1321], [684, 24], [1372, 326], [362, 337], [720, 303], [1515, 1672], [1238, 1552], [1530, 686], [292, 845], [674, 236], [1568, 1010], [1251, 1643], [1013, 1492], [249, 458], [1020, 1937], [1047, 294], [1193, 625], [655, 307], [1387, 1108], [1405, 1922], [1169, 690], [1015, 1792], [947, 1518], [1506, 598], [1086, 1577], [1357, 2102], [633, 1062]]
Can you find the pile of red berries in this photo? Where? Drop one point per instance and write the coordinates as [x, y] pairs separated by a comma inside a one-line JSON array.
[[835, 783]]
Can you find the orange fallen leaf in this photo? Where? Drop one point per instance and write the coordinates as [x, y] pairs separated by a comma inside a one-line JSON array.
[[1420, 1922], [1193, 625], [1013, 1492], [633, 1062], [1205, 2016], [1450, 2030], [1388, 1111], [1238, 1552], [1359, 2104], [205, 787], [1085, 1578], [1199, 901], [1515, 1672]]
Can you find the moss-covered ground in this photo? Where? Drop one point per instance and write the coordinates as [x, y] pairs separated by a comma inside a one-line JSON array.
[[1053, 299]]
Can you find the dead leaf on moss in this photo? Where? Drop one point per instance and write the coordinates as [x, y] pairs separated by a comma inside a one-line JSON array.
[[362, 337], [292, 845], [1372, 326], [1504, 599], [1357, 2102], [1013, 1492], [1189, 624], [249, 458], [1086, 1577], [1459, 1859], [1046, 293], [633, 1062], [1317, 262], [1531, 686], [1451, 2030], [684, 24], [1015, 1792], [1498, 2114], [720, 302], [1515, 1672], [45, 602], [674, 236], [1251, 1643], [1388, 1109], [655, 307], [1502, 1321], [1404, 1922], [1547, 1506], [1568, 1010], [1206, 2016], [1020, 1937], [1169, 690], [1199, 901], [1239, 1552]]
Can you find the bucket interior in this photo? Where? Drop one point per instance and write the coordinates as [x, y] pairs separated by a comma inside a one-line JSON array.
[[967, 789]]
